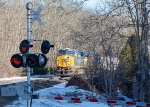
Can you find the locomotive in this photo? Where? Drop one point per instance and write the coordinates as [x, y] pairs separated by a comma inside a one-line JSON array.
[[70, 61]]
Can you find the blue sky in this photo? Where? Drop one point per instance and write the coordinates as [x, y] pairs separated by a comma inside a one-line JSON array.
[[91, 3]]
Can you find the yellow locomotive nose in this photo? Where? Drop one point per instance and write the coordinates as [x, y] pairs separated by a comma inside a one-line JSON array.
[[65, 61]]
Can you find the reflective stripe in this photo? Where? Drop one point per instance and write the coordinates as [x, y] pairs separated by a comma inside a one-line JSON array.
[[147, 105], [58, 98], [75, 99], [94, 100], [111, 101], [131, 103]]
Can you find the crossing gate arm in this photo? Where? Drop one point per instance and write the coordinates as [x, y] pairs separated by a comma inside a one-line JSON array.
[[93, 100]]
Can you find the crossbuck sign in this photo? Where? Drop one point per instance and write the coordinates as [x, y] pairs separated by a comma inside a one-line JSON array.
[[36, 14]]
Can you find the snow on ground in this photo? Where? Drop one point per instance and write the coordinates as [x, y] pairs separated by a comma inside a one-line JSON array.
[[12, 78], [43, 76], [61, 90], [25, 77], [120, 95], [4, 81], [51, 103]]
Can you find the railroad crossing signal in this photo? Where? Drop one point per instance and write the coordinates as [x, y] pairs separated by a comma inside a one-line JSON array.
[[32, 60], [45, 47], [24, 46], [16, 61], [29, 60], [42, 60]]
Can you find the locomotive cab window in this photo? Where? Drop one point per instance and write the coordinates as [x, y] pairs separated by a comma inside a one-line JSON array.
[[62, 52], [71, 53], [66, 52]]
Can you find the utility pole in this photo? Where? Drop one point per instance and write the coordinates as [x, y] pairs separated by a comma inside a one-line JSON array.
[[29, 7]]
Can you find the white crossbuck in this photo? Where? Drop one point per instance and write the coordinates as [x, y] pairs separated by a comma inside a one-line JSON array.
[[36, 14]]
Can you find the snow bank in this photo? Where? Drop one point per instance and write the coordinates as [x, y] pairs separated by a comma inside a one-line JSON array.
[[57, 89], [50, 103], [12, 78]]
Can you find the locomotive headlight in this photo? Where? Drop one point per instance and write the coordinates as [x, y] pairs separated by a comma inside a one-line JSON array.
[[66, 57]]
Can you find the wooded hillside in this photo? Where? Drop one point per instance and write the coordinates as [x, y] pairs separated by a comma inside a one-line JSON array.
[[63, 26]]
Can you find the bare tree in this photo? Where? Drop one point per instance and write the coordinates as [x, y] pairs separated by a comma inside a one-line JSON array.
[[138, 14]]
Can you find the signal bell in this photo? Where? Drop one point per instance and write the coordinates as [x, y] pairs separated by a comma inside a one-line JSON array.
[[16, 61], [45, 47]]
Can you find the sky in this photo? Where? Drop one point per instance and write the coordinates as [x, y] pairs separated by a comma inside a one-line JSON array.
[[91, 3]]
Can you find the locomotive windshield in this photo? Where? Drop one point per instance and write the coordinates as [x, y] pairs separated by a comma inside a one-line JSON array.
[[66, 52], [61, 52], [70, 52]]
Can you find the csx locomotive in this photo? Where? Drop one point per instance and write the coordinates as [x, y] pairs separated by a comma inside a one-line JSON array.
[[69, 61]]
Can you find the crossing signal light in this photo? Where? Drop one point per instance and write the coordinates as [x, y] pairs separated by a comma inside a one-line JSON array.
[[42, 60], [32, 60], [24, 46], [45, 47], [16, 61]]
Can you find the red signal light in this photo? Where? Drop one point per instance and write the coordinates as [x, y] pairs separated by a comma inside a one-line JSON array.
[[23, 48], [32, 60], [16, 61]]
